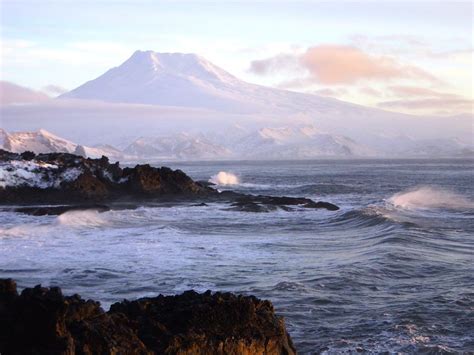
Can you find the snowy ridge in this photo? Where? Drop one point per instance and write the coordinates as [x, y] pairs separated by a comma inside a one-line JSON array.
[[179, 146], [273, 143], [42, 141], [304, 142]]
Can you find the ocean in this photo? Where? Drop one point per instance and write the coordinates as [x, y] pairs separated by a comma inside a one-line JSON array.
[[391, 271]]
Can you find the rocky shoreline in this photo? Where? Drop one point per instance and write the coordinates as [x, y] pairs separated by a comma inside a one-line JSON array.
[[43, 321], [56, 182]]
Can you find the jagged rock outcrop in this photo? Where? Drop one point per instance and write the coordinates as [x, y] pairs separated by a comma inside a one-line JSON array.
[[63, 177], [42, 321], [72, 180]]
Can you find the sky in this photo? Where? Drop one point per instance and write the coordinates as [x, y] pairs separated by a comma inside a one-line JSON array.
[[405, 56]]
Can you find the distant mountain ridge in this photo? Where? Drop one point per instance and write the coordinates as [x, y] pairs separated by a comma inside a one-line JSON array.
[[181, 106], [42, 141], [304, 142]]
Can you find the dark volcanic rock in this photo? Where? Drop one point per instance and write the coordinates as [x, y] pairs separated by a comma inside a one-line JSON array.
[[260, 203], [69, 178], [144, 179], [321, 204], [57, 210], [63, 178], [250, 206], [43, 321]]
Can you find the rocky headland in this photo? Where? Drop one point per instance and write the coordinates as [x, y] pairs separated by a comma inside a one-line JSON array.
[[69, 181], [42, 320]]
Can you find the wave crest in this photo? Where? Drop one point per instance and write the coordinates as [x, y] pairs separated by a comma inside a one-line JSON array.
[[84, 218], [430, 197], [224, 178]]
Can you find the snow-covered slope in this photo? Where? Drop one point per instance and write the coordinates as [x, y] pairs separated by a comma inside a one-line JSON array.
[[179, 146], [303, 142], [173, 79], [159, 96], [42, 141], [290, 142], [188, 80]]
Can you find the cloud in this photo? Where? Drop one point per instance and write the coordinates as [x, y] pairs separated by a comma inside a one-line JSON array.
[[338, 64], [413, 91], [446, 105], [332, 64], [370, 92], [278, 63], [14, 94], [330, 92], [54, 90]]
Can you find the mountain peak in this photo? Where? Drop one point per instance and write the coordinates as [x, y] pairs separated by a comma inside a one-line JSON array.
[[172, 79], [180, 64]]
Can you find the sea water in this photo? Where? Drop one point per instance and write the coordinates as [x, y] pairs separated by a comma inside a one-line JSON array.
[[391, 271]]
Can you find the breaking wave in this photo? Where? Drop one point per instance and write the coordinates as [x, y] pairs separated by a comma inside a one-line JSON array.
[[88, 218], [224, 178], [430, 197]]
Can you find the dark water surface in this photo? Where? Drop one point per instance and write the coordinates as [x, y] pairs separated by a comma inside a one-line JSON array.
[[392, 271]]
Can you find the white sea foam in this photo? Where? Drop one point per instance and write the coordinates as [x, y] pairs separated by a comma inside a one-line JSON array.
[[224, 178], [78, 219], [430, 197]]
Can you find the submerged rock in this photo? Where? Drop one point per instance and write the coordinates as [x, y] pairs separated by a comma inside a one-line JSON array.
[[43, 321], [57, 210], [261, 203]]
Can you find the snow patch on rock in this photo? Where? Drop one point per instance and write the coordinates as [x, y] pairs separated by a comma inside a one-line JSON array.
[[34, 174]]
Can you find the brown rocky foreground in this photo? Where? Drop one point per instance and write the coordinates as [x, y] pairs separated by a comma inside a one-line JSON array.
[[42, 321]]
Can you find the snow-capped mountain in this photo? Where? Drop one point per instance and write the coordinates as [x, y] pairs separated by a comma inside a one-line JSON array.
[[189, 80], [179, 146], [303, 142], [42, 141], [172, 79], [158, 96]]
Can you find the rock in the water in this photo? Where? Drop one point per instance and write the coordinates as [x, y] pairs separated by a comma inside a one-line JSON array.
[[57, 210], [43, 321], [69, 178], [321, 204], [63, 178]]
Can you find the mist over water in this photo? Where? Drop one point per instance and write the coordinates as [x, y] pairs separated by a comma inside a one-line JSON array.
[[392, 270]]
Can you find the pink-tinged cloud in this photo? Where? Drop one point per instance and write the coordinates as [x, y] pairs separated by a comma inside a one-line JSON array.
[[451, 105], [330, 92], [332, 64], [14, 94], [336, 64], [413, 91], [370, 92]]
